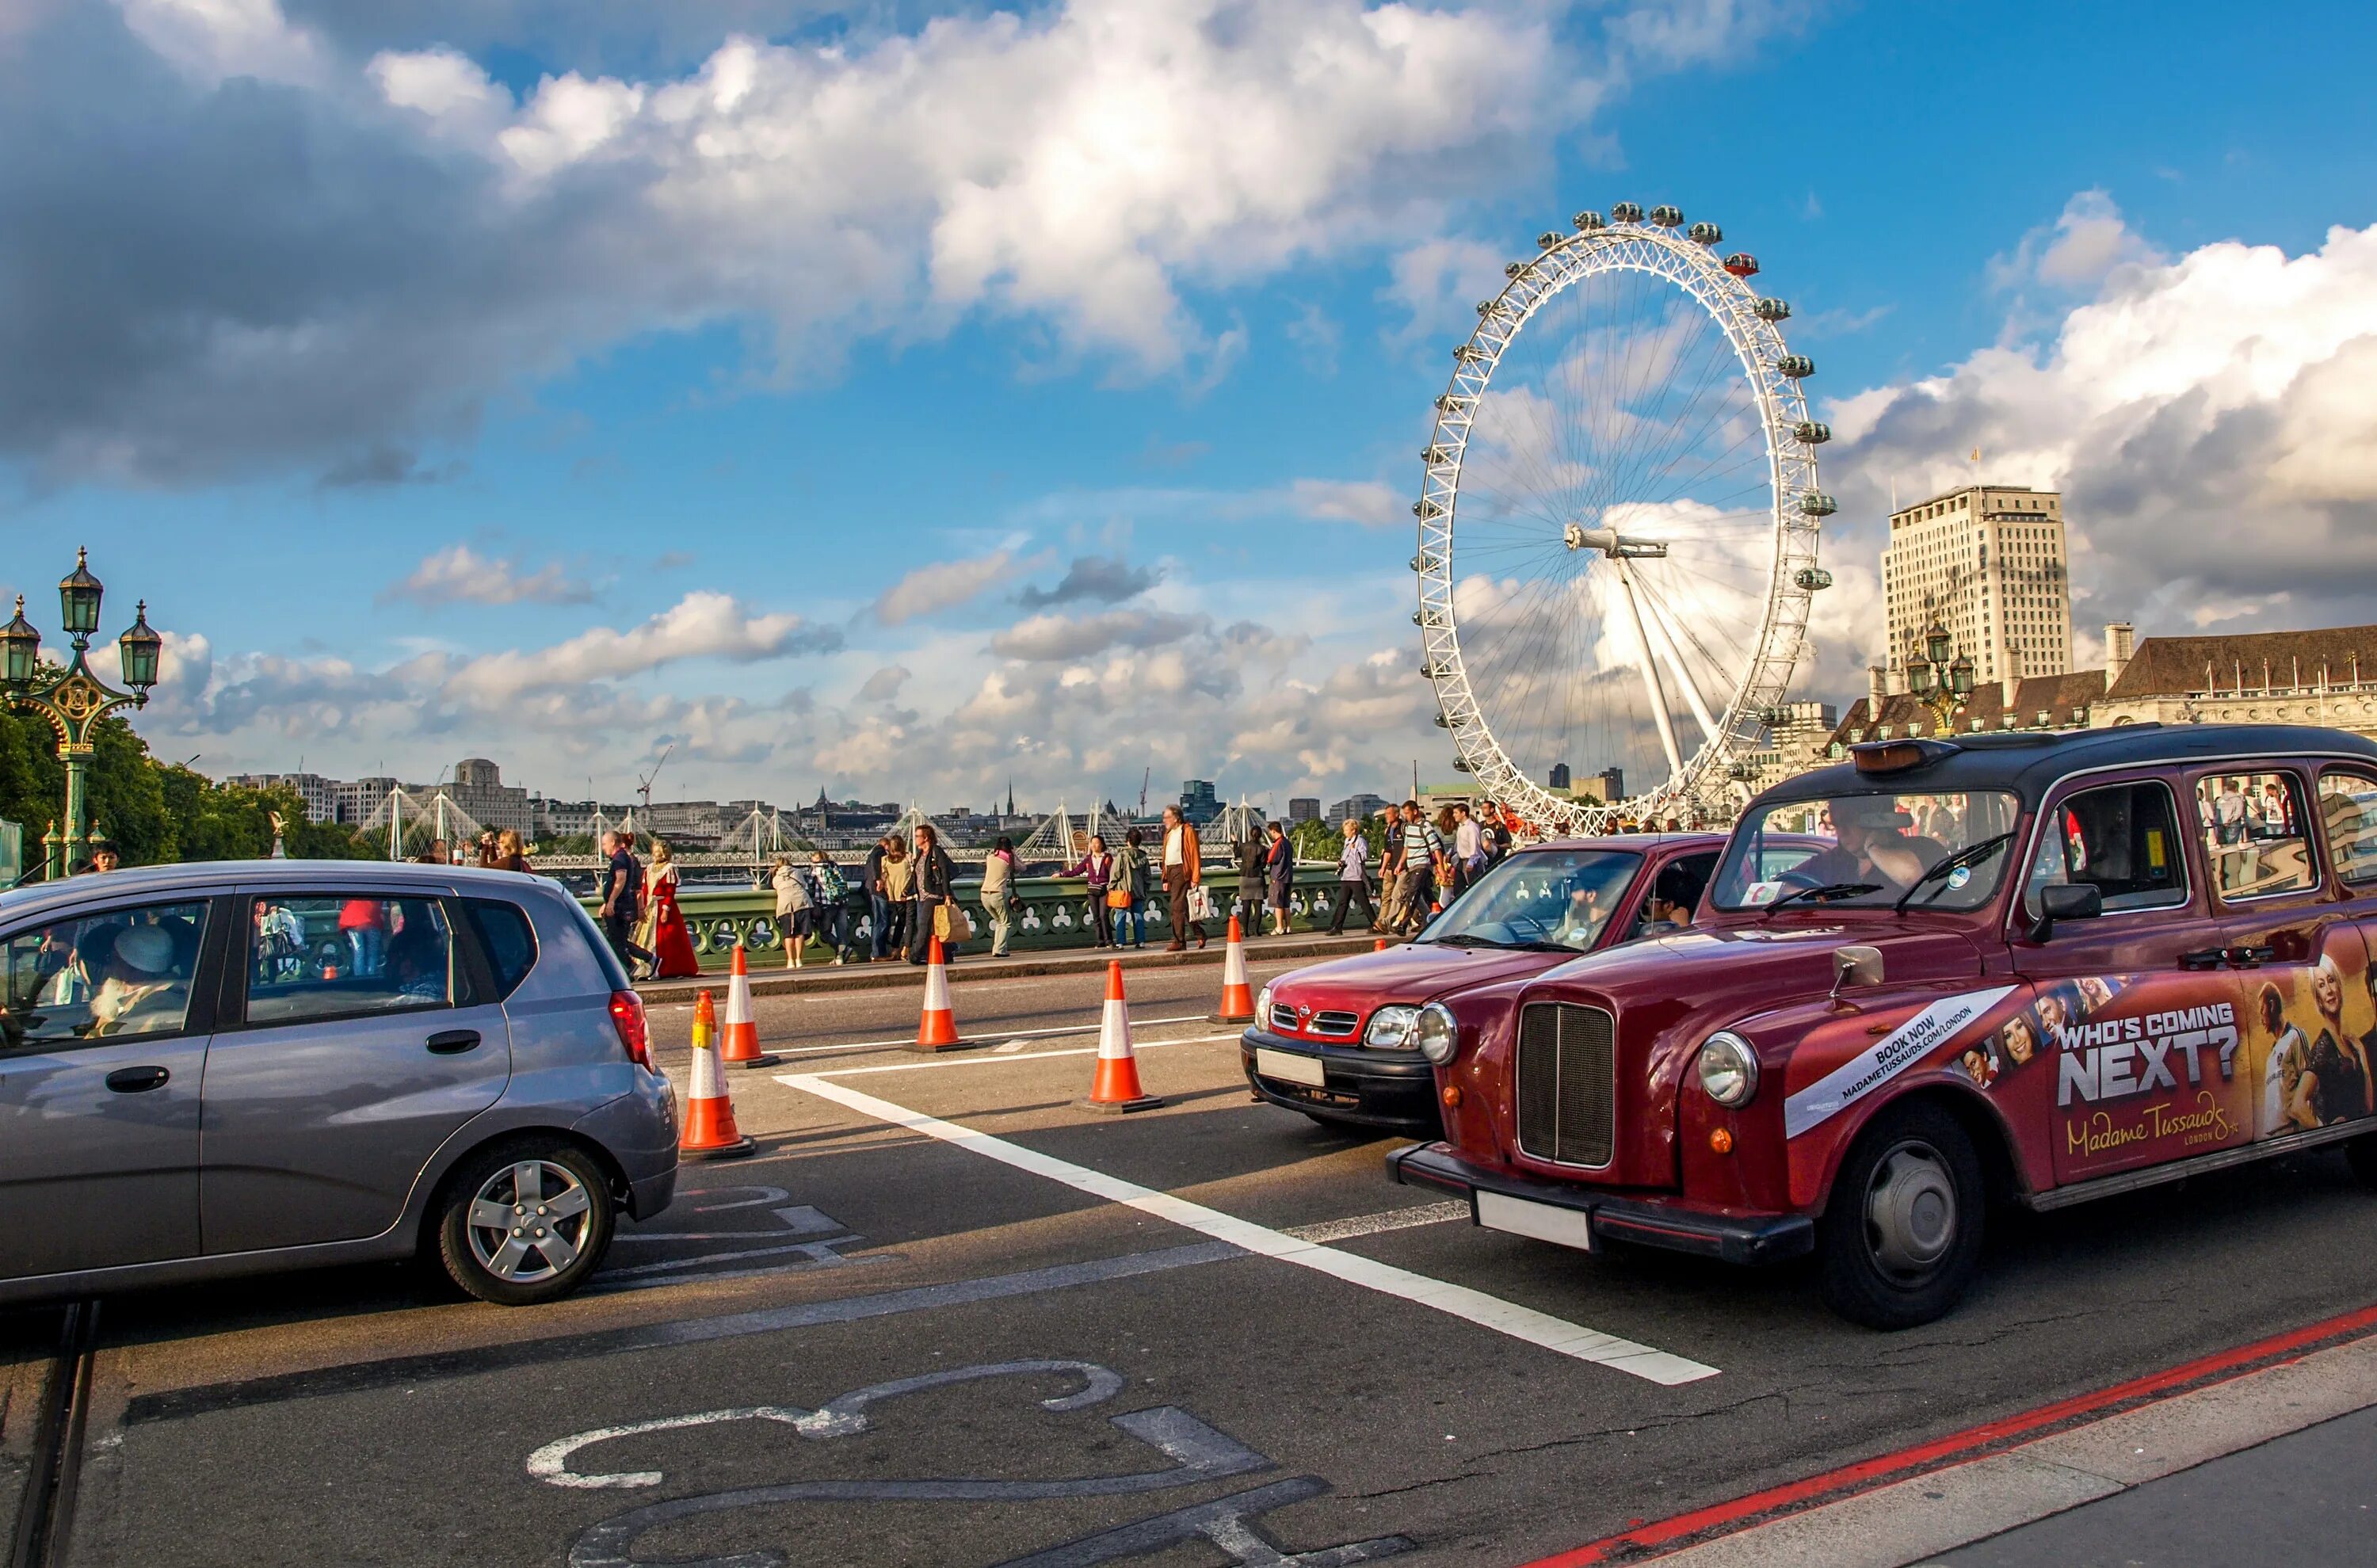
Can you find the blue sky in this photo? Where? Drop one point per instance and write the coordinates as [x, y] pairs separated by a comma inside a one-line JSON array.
[[316, 298]]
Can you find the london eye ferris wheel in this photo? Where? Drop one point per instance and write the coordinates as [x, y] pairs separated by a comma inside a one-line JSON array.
[[1617, 525]]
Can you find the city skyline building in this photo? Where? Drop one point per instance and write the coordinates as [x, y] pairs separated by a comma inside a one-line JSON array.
[[1989, 564]]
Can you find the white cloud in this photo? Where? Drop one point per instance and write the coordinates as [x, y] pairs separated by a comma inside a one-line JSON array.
[[2079, 250], [944, 585], [702, 625], [1365, 501], [1062, 638], [1089, 164], [2208, 419], [459, 574]]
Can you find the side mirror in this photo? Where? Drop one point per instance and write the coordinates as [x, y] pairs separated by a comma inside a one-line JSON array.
[[1855, 965], [2065, 901]]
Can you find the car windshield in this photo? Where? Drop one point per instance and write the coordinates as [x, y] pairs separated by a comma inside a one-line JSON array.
[[1913, 849], [1548, 898]]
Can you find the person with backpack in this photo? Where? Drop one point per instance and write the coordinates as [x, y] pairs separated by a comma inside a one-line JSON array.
[[831, 911], [794, 909], [1130, 874]]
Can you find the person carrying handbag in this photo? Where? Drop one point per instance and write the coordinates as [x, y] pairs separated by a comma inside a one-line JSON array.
[[1183, 880], [935, 912], [1097, 870], [1126, 891]]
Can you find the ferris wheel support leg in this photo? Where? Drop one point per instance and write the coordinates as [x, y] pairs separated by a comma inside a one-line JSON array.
[[1673, 656], [1650, 671]]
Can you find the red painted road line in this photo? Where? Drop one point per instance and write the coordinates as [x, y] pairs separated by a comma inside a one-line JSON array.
[[1957, 1447]]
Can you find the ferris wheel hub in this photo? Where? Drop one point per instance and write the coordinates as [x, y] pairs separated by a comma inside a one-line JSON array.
[[1611, 543]]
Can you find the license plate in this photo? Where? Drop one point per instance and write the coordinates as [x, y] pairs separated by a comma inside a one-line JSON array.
[[1290, 1067], [1568, 1228]]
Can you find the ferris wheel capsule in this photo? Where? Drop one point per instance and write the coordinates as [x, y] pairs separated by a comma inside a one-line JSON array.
[[1548, 238], [1811, 432], [1772, 310], [1667, 217], [1625, 212], [1706, 234], [1815, 503], [1588, 221], [1796, 366], [1741, 264], [1813, 579]]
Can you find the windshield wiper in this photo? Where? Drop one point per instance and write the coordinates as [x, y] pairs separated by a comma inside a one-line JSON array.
[[1971, 855], [1461, 938], [1828, 890]]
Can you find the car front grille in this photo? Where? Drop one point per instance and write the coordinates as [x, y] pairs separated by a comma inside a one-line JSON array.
[[1330, 1024], [1567, 1083], [1283, 1018], [1336, 1024]]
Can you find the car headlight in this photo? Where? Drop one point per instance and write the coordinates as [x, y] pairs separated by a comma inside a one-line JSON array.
[[1436, 1033], [1391, 1029], [1262, 1007], [1729, 1070]]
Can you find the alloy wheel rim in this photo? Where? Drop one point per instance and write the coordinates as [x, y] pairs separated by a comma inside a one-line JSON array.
[[528, 1221], [1910, 1212]]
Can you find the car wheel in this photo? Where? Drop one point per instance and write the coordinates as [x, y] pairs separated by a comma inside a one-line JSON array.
[[1901, 1236], [525, 1223], [2362, 1154]]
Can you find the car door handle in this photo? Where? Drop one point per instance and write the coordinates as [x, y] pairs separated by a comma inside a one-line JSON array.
[[454, 1042], [2204, 958], [2252, 957], [133, 1080]]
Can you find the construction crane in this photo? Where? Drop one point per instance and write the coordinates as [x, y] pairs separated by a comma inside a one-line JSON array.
[[644, 784], [1143, 780]]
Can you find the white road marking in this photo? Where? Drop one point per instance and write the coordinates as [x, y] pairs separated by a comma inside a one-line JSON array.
[[1457, 1300], [1377, 1225], [996, 1059]]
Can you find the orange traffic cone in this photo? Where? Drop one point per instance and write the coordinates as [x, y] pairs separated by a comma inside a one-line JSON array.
[[742, 1043], [1114, 1088], [1378, 946], [938, 1030], [710, 1130], [1237, 997]]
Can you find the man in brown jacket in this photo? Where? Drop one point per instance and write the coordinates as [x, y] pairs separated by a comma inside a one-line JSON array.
[[1179, 861]]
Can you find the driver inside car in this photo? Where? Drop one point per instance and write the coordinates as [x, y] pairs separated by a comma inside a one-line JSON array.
[[1872, 846], [139, 992], [1580, 922]]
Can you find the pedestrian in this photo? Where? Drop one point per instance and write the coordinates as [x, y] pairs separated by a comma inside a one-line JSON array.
[[1130, 865], [1247, 857], [436, 854], [1353, 880], [792, 909], [1097, 870], [1423, 866], [511, 855], [879, 906], [488, 850], [1279, 875], [364, 922], [830, 912], [1468, 848], [1393, 890], [999, 894], [933, 912], [669, 938], [104, 858], [623, 892], [1181, 873], [899, 887]]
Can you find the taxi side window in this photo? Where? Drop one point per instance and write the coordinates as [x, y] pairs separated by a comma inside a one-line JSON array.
[[2124, 839], [2253, 827], [1675, 892], [101, 976], [2347, 805]]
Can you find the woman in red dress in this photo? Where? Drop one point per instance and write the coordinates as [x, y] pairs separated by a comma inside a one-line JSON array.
[[671, 942]]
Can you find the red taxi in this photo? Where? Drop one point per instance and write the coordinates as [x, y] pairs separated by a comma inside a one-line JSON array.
[[2037, 968], [1336, 1042]]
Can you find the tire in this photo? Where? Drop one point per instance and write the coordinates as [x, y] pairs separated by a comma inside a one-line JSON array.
[[2362, 1155], [1901, 1236], [479, 1259]]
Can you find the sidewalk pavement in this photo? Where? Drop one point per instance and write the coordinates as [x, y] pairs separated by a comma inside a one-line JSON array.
[[2310, 1497], [821, 975]]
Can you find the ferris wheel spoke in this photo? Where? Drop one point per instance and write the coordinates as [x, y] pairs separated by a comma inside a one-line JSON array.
[[1672, 656], [1659, 713], [1661, 423]]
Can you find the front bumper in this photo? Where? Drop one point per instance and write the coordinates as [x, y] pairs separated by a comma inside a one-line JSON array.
[[1391, 1090], [1734, 1237]]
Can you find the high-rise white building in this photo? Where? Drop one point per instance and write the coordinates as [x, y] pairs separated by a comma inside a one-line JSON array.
[[1988, 562]]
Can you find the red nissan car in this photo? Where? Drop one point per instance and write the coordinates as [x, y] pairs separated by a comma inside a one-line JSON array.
[[1335, 1041], [2031, 968]]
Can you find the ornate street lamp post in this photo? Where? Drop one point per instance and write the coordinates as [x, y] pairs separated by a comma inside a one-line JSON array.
[[1938, 683], [76, 700]]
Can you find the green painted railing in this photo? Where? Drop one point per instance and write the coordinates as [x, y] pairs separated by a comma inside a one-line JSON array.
[[1049, 913]]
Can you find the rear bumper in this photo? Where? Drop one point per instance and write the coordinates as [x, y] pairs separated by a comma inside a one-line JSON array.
[[1395, 1091], [1736, 1239]]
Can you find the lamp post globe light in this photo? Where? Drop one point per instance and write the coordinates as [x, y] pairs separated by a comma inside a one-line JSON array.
[[1939, 682], [76, 700]]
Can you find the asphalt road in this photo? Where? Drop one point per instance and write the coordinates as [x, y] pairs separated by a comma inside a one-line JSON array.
[[945, 1316]]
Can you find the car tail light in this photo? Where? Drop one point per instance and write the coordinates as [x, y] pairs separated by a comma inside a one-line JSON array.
[[628, 1017]]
